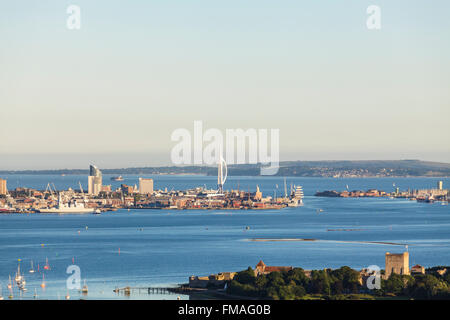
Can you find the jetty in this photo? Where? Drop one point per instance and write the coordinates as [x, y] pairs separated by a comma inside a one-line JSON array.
[[153, 290]]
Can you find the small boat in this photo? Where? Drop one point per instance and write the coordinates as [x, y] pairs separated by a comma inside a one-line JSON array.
[[32, 269], [119, 178], [85, 288]]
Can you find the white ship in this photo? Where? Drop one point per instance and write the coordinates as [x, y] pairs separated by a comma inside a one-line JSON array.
[[71, 207], [296, 197]]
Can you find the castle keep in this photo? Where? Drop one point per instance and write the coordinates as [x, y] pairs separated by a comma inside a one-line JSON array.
[[397, 263]]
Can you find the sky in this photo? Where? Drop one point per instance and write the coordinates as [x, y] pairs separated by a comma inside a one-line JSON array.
[[112, 92]]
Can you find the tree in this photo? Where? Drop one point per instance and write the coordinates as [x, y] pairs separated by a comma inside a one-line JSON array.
[[320, 283], [393, 285], [298, 276], [246, 277], [275, 279]]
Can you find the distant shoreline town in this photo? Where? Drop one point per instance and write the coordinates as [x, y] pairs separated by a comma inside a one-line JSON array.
[[100, 198], [420, 195], [326, 169]]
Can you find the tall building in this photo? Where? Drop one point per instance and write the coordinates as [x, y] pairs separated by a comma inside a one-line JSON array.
[[145, 186], [440, 185], [397, 263], [222, 173], [94, 181], [3, 189]]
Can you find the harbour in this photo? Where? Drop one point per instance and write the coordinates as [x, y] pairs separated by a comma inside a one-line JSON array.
[[162, 248]]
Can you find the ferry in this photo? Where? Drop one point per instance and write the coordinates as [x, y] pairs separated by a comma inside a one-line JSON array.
[[119, 178]]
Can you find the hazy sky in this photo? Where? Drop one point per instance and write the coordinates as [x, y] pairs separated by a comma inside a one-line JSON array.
[[113, 91]]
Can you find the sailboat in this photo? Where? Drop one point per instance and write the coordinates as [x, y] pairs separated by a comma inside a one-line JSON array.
[[35, 294], [18, 277], [10, 283], [43, 282], [32, 269], [47, 266], [67, 296], [1, 292], [10, 289]]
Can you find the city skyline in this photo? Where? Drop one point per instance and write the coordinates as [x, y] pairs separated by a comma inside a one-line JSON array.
[[114, 91]]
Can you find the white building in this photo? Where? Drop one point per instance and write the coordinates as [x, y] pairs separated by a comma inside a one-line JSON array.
[[145, 186]]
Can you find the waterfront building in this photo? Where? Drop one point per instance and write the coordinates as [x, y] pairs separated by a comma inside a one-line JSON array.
[[215, 280], [126, 189], [94, 181], [261, 268], [106, 189], [417, 269], [397, 263], [145, 186], [3, 189]]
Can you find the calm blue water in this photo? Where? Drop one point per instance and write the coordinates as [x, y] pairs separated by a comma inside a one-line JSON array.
[[161, 248]]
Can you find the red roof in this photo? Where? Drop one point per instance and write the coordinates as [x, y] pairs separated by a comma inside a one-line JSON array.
[[274, 269]]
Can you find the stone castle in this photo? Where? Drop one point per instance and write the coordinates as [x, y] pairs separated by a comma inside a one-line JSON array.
[[397, 263]]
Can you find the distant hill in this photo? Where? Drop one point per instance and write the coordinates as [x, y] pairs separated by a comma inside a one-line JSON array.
[[347, 168]]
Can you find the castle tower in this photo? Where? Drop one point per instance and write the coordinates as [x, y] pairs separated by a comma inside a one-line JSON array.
[[397, 263]]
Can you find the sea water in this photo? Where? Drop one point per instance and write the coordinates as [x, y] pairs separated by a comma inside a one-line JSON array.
[[162, 248]]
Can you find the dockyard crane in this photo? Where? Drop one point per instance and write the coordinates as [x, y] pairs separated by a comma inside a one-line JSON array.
[[82, 192], [81, 188], [49, 188]]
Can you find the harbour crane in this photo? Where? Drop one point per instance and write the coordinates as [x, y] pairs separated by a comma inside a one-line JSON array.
[[82, 192]]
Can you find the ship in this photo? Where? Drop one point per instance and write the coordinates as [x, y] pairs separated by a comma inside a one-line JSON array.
[[71, 207], [119, 178], [296, 199]]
